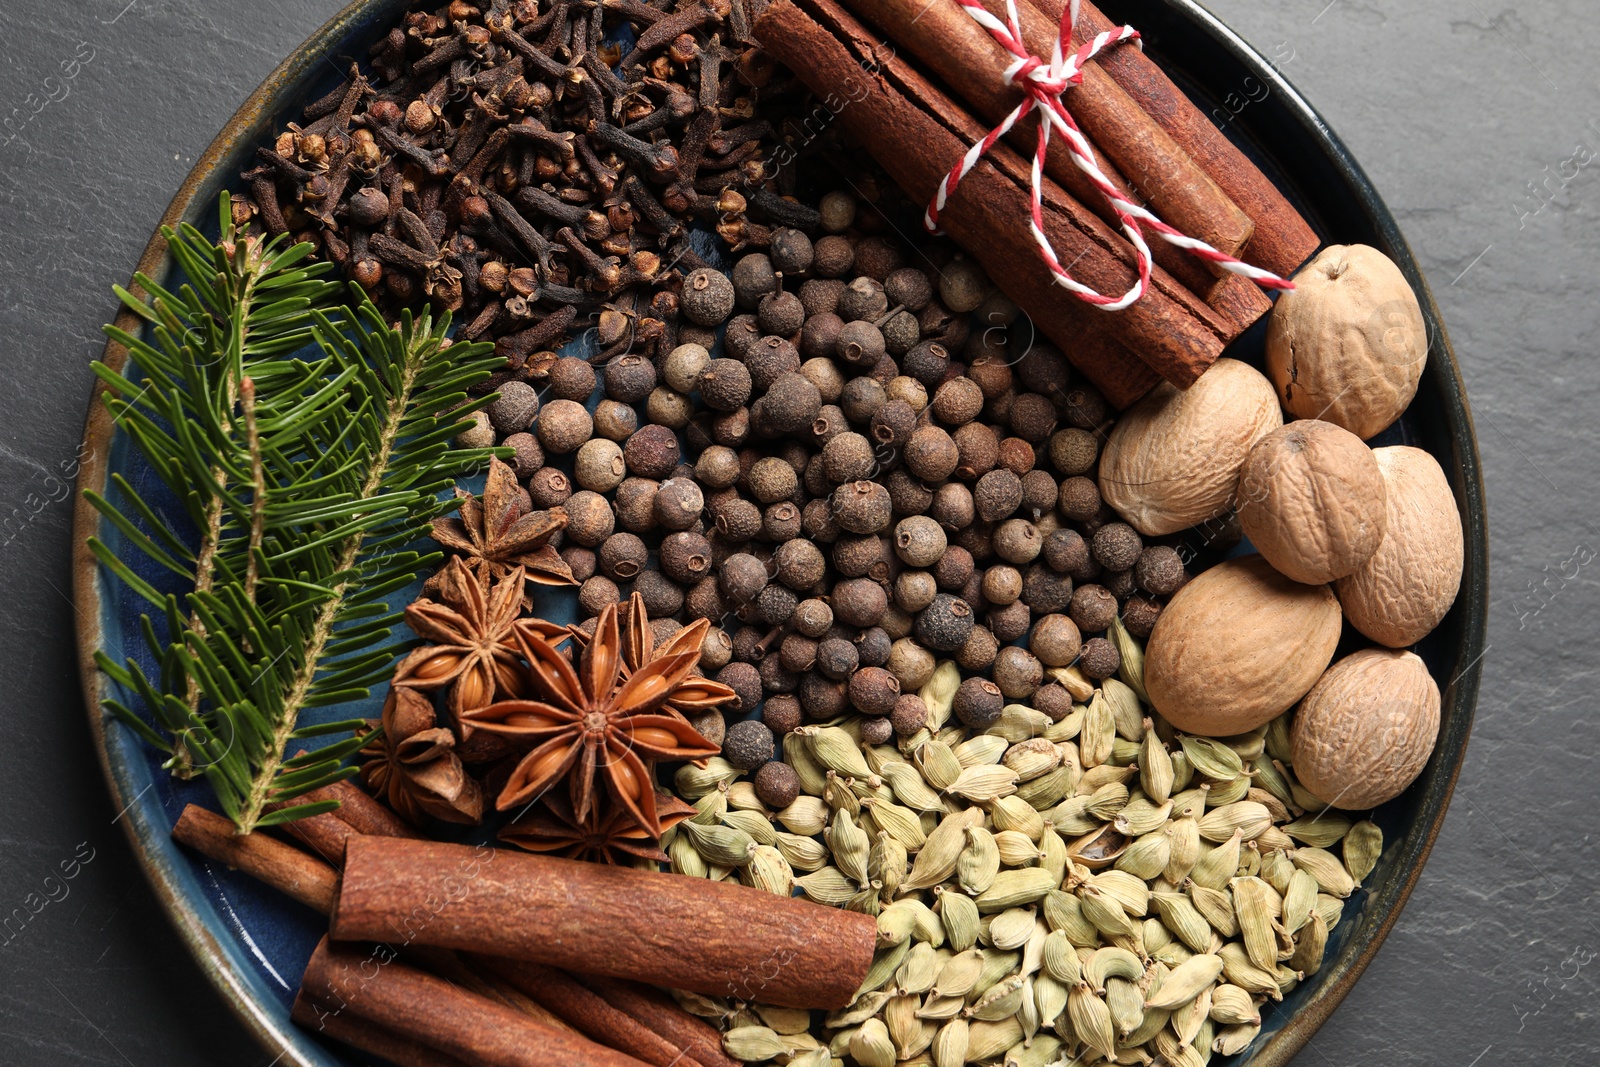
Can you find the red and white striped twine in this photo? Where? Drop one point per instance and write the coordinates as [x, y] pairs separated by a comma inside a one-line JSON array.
[[1044, 83]]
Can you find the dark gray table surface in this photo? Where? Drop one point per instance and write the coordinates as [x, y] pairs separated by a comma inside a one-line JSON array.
[[1469, 115]]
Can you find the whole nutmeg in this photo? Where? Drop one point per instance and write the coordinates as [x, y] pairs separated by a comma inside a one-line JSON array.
[[1173, 459], [978, 703], [874, 690], [1312, 501], [748, 745], [1237, 646], [1348, 344], [1402, 592], [1366, 729]]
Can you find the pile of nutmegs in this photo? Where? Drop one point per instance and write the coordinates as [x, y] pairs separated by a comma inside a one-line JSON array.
[[883, 469], [512, 162]]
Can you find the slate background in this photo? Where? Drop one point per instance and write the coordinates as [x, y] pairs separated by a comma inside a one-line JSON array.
[[1458, 109]]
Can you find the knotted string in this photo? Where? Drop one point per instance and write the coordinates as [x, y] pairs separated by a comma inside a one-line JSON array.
[[1043, 85]]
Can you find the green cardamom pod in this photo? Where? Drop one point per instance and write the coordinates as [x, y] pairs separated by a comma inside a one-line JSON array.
[[685, 858], [754, 823], [769, 871], [1277, 869], [797, 753], [910, 788], [1330, 908], [828, 886], [1276, 741], [979, 861], [1126, 712], [894, 925], [1108, 801], [1323, 830], [1215, 867], [1050, 997], [864, 1007], [694, 782], [1061, 959], [938, 693], [1266, 776], [1155, 766], [754, 1044], [806, 816], [1131, 654], [938, 764], [984, 750], [1188, 1019], [950, 1044], [1043, 1052], [1032, 758], [1234, 1039], [1126, 1004], [937, 858], [1245, 816], [1182, 771], [1227, 792], [917, 973], [1362, 847], [1326, 869], [1064, 911], [1130, 891], [849, 844], [1217, 907], [906, 1031], [1104, 912], [1053, 853], [1140, 816], [1068, 727], [1018, 722], [803, 853], [1183, 919], [984, 784], [886, 864], [1309, 946], [836, 751], [1098, 733], [885, 962], [1014, 813], [1299, 901], [871, 1045], [1231, 1005], [1185, 982], [723, 845], [1010, 929], [998, 964], [1111, 962], [1154, 934], [1049, 788], [1212, 758], [1072, 817], [990, 1041], [902, 824], [1238, 968], [1001, 1001], [959, 916], [1091, 1021], [1147, 856]]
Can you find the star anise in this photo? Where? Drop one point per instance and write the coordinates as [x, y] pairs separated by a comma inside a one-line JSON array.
[[412, 764], [609, 835], [593, 720], [494, 534], [639, 647], [468, 631]]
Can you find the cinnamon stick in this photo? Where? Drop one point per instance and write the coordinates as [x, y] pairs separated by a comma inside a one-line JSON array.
[[916, 132], [662, 1014], [1283, 240], [945, 38], [357, 813], [360, 1034], [686, 933], [592, 1015], [283, 867], [416, 1006]]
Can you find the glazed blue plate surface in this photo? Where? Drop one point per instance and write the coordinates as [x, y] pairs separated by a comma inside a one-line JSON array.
[[255, 943]]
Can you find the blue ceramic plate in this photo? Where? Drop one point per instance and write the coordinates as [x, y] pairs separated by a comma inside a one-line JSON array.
[[254, 944]]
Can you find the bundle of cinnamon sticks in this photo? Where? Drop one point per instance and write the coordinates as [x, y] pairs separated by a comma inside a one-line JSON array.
[[445, 955], [1151, 142]]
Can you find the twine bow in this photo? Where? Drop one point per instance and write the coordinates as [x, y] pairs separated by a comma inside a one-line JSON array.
[[1043, 85]]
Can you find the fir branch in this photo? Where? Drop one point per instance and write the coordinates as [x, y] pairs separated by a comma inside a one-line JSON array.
[[307, 441]]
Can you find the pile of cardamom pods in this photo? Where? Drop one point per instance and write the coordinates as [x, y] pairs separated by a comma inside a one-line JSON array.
[[1090, 890]]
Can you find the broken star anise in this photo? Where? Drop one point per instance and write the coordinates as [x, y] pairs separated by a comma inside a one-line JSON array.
[[609, 835], [468, 630], [494, 534], [411, 764], [594, 721]]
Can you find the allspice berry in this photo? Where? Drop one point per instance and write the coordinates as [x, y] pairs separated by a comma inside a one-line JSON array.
[[563, 426], [860, 344], [862, 507], [876, 731], [599, 465], [837, 658], [945, 624], [789, 406], [663, 598], [781, 522], [1017, 672], [837, 210], [919, 541], [1100, 658], [957, 401], [1010, 622], [1065, 551], [681, 369], [978, 651], [653, 452], [516, 408], [1093, 607], [1139, 615], [707, 297], [1055, 640], [595, 593], [930, 454], [753, 278], [748, 745], [1032, 417], [911, 663], [629, 378], [781, 713], [790, 252], [1074, 451], [589, 518], [962, 285], [1054, 701], [1018, 541], [848, 458], [1080, 499], [777, 784], [772, 479], [800, 564], [813, 617], [745, 680], [978, 703], [859, 602], [910, 714], [743, 577], [717, 467], [635, 504], [1159, 570], [622, 556], [997, 495], [678, 503], [832, 256], [615, 421], [769, 359], [927, 362], [1116, 546], [780, 313], [908, 287], [725, 385], [548, 488], [1002, 585], [874, 691]]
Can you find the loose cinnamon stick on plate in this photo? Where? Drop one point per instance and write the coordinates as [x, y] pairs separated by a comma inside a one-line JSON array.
[[972, 63], [685, 933], [591, 1014], [1283, 240], [661, 1013], [917, 133], [416, 1006], [284, 867], [360, 1034]]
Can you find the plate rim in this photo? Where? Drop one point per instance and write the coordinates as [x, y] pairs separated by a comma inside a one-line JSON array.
[[297, 1046]]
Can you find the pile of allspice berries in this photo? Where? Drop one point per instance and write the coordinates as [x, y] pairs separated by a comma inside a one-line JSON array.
[[857, 460]]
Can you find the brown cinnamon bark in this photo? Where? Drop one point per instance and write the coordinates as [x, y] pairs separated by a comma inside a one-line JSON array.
[[686, 933], [971, 62], [592, 1016], [284, 867], [916, 132], [370, 985], [1283, 240], [658, 1011], [357, 813], [360, 1034]]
